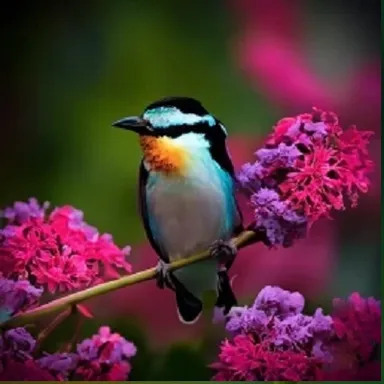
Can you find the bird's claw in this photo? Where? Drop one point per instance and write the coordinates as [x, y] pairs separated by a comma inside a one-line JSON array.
[[223, 251], [163, 278]]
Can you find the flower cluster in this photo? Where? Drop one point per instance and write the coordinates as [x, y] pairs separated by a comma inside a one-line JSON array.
[[16, 362], [274, 340], [306, 169], [105, 356], [56, 250], [357, 325], [17, 296]]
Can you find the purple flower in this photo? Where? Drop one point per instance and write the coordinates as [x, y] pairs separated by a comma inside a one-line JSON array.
[[281, 224], [309, 332], [277, 314], [59, 364], [22, 211], [274, 340], [292, 331], [87, 350], [250, 176], [17, 296], [310, 165], [294, 130], [317, 129], [18, 343], [218, 316], [275, 301], [105, 356], [244, 319], [8, 231], [282, 156], [119, 347]]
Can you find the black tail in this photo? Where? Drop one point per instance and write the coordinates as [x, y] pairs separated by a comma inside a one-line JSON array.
[[189, 307], [226, 298]]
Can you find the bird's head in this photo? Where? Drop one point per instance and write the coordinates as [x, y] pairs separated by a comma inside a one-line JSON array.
[[173, 117], [173, 129]]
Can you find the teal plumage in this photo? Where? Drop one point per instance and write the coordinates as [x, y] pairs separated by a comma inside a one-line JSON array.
[[186, 212]]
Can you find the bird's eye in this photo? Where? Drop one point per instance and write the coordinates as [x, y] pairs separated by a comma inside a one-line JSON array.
[[149, 126]]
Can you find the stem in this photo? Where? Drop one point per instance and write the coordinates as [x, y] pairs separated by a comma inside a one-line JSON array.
[[59, 319], [67, 347], [245, 238]]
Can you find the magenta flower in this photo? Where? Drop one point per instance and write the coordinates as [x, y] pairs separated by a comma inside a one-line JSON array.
[[16, 347], [60, 365], [59, 251], [307, 168], [274, 340], [357, 323], [105, 356], [23, 371], [241, 359]]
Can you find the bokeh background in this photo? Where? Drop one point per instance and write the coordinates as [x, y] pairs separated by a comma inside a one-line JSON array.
[[70, 68]]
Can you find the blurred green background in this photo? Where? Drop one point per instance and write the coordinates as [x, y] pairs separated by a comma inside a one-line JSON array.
[[71, 68]]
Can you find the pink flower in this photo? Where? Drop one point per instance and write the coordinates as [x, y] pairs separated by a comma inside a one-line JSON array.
[[60, 252], [24, 371], [314, 165], [243, 359], [357, 323], [104, 357], [270, 48]]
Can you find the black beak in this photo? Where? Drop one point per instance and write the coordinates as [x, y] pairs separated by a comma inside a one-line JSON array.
[[133, 123]]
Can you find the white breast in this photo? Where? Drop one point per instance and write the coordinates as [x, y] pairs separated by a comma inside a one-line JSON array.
[[188, 214]]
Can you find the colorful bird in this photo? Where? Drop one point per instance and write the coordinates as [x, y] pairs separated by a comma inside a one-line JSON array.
[[187, 199]]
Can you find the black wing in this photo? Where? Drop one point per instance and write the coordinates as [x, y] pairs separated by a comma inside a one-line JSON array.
[[219, 153], [143, 178]]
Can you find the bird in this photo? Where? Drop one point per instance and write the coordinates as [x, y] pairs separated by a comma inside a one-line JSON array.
[[187, 199]]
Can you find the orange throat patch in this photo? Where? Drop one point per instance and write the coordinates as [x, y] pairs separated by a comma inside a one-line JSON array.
[[163, 155]]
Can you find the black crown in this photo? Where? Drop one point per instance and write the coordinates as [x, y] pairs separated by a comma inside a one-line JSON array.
[[184, 104]]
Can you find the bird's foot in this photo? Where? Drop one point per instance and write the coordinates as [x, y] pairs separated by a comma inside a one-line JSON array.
[[163, 278], [223, 251]]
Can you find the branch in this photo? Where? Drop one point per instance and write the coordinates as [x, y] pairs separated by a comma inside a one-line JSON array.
[[247, 237], [49, 329]]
